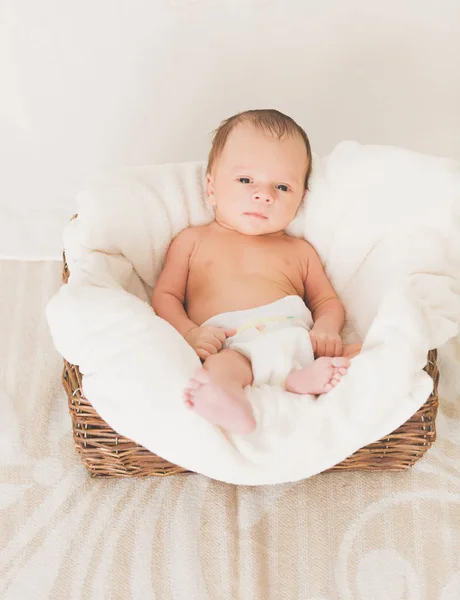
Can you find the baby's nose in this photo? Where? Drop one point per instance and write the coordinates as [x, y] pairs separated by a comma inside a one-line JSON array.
[[263, 196]]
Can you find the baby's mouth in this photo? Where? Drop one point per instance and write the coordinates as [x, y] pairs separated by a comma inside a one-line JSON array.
[[255, 215]]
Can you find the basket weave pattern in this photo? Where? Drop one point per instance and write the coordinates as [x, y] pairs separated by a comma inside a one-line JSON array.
[[107, 454]]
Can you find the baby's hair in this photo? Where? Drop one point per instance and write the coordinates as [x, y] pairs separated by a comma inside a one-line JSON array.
[[267, 119]]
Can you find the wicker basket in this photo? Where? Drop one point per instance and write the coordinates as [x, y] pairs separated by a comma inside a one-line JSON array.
[[107, 454]]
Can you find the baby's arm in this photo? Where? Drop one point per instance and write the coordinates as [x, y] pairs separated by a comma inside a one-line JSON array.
[[169, 293], [168, 298], [327, 310]]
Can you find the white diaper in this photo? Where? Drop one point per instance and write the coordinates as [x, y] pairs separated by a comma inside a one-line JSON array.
[[273, 337]]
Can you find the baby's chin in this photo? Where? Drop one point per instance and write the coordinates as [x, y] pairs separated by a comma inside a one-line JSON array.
[[255, 227]]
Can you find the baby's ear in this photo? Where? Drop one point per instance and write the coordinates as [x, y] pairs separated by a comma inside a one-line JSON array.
[[210, 189]]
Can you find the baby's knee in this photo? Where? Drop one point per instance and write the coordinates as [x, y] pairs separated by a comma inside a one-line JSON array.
[[233, 363]]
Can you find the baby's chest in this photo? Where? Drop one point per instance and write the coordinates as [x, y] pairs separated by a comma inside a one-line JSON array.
[[251, 260]]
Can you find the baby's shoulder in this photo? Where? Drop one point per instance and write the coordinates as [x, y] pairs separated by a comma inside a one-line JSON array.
[[189, 235], [300, 246]]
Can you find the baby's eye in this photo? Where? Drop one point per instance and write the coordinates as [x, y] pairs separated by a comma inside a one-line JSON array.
[[244, 180], [282, 187]]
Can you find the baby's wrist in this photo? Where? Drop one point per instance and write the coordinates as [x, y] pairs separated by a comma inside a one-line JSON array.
[[325, 328], [192, 328]]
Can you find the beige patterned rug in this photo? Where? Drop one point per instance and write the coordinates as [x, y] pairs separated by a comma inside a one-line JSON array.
[[65, 536]]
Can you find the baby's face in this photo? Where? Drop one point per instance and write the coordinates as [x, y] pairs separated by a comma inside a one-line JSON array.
[[257, 184]]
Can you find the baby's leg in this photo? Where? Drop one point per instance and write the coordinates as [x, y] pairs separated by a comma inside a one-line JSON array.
[[216, 391], [351, 350]]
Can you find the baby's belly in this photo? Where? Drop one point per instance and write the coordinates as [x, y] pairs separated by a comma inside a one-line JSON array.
[[206, 301]]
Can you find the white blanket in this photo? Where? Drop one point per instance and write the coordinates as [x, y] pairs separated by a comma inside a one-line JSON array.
[[386, 223]]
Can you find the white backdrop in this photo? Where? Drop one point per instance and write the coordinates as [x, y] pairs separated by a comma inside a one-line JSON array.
[[91, 84]]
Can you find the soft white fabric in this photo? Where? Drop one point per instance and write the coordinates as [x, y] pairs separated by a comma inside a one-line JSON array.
[[385, 222], [273, 337]]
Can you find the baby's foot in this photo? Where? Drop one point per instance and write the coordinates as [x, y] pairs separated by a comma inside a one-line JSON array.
[[319, 377], [225, 406]]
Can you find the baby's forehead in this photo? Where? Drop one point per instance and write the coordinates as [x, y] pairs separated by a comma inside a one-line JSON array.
[[245, 137], [247, 145], [247, 130]]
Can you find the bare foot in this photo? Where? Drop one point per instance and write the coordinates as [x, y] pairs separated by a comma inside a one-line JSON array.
[[319, 377], [226, 406]]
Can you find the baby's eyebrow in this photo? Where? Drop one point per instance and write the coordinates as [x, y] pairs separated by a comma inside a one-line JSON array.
[[290, 180]]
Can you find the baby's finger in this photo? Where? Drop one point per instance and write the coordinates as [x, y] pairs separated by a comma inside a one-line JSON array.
[[203, 354], [219, 334], [230, 332], [337, 349], [320, 349], [210, 346], [217, 343], [329, 348], [213, 341]]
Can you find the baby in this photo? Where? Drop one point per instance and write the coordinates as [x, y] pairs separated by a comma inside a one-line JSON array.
[[246, 296]]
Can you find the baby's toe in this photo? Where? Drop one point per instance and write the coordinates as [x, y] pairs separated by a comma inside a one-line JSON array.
[[194, 385], [201, 376], [188, 398], [340, 362]]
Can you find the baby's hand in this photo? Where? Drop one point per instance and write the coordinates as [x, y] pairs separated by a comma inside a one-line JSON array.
[[208, 340], [326, 342]]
